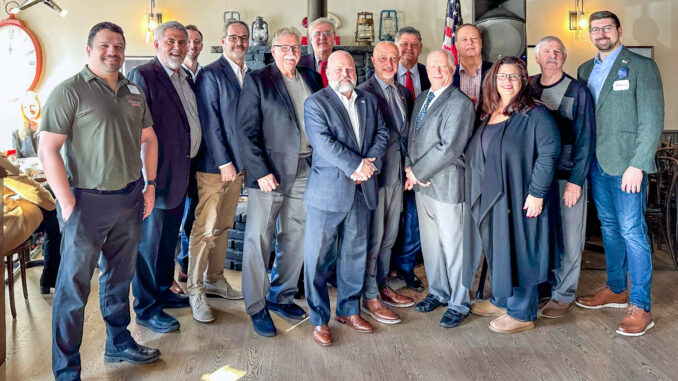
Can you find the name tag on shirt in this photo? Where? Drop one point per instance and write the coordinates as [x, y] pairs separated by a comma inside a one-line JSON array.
[[133, 89], [620, 85]]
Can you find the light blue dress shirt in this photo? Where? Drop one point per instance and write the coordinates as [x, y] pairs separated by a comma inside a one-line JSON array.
[[414, 72], [600, 71]]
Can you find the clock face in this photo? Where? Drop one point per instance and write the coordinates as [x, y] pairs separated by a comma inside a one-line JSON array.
[[19, 61]]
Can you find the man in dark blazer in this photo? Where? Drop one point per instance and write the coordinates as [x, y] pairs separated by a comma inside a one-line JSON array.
[[441, 125], [321, 34], [627, 90], [395, 104], [470, 72], [413, 76], [276, 156], [169, 93], [219, 176], [349, 138]]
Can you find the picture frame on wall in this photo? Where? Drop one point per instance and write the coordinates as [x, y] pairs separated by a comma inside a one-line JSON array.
[[643, 50], [133, 61]]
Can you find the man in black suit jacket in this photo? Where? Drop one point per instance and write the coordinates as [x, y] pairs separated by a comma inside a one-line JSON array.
[[470, 72], [276, 155], [321, 33], [395, 103], [219, 173], [169, 93]]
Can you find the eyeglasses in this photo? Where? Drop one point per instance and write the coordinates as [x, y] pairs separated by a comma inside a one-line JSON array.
[[605, 29], [286, 48], [235, 38], [510, 77], [327, 33]]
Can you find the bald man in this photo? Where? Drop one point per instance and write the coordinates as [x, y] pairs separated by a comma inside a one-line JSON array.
[[349, 138], [395, 103]]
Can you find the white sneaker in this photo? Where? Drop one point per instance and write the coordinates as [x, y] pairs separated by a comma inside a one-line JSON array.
[[222, 288], [201, 310]]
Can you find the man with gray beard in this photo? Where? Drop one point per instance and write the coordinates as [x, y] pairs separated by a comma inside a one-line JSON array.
[[349, 138]]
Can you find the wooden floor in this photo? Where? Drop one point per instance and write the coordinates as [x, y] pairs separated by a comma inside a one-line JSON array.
[[582, 346]]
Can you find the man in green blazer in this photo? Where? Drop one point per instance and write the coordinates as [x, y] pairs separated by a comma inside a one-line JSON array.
[[627, 90]]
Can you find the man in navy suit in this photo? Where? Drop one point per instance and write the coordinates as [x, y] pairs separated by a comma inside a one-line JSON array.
[[169, 93], [395, 104], [276, 155], [321, 33], [219, 173], [349, 139]]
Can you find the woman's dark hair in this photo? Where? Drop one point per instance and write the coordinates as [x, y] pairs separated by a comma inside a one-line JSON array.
[[523, 102]]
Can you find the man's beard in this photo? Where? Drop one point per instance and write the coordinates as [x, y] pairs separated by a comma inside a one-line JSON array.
[[342, 87]]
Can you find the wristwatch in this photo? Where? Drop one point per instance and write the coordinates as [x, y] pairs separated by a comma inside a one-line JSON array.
[[152, 182]]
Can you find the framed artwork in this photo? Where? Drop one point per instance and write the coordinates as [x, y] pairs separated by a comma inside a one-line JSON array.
[[133, 61], [645, 51]]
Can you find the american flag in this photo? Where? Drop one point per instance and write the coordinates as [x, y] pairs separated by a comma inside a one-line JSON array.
[[452, 21]]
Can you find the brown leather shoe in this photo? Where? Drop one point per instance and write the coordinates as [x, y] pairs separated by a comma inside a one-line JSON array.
[[395, 299], [636, 322], [322, 335], [355, 321], [487, 309], [379, 312], [602, 298], [508, 324], [555, 309]]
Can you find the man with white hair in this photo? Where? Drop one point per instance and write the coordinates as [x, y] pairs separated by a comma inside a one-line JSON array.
[[572, 107], [349, 139], [321, 33], [169, 93], [276, 155]]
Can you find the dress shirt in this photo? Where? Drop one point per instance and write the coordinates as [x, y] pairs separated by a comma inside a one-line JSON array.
[[437, 95], [194, 76], [396, 95], [414, 72], [352, 110], [187, 97], [239, 72], [469, 84], [601, 68]]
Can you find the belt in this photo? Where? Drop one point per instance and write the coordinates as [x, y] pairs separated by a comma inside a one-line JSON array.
[[128, 188]]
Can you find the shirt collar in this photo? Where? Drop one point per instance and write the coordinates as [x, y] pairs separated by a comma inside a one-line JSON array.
[[610, 58], [440, 91], [88, 75], [477, 71], [197, 70], [234, 66], [402, 70], [346, 101], [383, 84], [182, 74]]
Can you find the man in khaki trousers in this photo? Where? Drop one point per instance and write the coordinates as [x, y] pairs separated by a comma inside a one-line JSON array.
[[219, 176]]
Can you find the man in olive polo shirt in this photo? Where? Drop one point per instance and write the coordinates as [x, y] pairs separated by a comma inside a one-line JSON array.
[[103, 123]]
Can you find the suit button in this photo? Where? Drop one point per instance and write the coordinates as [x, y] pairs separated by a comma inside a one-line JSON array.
[[188, 156]]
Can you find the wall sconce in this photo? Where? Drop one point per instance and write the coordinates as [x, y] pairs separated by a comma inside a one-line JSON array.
[[30, 3], [153, 19], [578, 21]]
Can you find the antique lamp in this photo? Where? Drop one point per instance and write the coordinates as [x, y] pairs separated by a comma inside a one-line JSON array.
[[259, 32], [364, 29], [388, 25]]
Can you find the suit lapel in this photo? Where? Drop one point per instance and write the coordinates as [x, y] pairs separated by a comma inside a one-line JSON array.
[[282, 91], [373, 87], [439, 101], [611, 77], [166, 82], [341, 110], [361, 106], [230, 75]]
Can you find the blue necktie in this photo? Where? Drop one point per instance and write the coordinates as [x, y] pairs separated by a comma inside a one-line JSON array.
[[429, 98]]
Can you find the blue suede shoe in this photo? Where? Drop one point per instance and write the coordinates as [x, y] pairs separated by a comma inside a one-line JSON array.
[[451, 319], [262, 323], [429, 304], [290, 311]]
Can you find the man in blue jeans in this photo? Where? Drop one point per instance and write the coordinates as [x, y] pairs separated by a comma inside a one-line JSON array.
[[627, 90]]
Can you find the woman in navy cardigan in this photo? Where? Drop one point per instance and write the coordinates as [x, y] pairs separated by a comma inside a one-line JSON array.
[[510, 161]]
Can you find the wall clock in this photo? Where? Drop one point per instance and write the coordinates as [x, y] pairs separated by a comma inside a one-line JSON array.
[[20, 59]]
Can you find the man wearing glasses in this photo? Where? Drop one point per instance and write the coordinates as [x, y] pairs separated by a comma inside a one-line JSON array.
[[627, 91], [276, 154], [219, 172], [321, 32]]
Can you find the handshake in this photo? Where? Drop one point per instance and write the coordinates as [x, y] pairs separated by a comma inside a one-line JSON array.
[[411, 181], [364, 171]]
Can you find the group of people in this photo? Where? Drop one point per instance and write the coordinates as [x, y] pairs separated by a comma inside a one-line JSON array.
[[459, 160]]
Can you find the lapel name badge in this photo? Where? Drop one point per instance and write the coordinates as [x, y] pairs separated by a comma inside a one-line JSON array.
[[133, 89], [620, 85]]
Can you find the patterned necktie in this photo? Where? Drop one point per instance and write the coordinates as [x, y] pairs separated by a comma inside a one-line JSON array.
[[393, 103], [323, 72], [409, 84], [424, 108]]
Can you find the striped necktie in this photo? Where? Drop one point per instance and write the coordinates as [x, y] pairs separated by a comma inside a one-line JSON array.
[[422, 113]]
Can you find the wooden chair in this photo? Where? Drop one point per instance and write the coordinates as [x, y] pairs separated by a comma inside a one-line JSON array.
[[24, 252]]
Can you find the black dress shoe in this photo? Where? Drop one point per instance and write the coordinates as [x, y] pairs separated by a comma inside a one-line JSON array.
[[429, 304], [411, 281], [290, 311], [134, 353], [161, 322], [451, 319], [44, 290], [262, 323], [172, 300]]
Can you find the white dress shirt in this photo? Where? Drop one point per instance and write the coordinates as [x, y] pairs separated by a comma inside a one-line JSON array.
[[352, 110], [239, 71]]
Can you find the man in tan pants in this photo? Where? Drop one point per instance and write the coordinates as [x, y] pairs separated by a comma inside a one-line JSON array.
[[219, 176]]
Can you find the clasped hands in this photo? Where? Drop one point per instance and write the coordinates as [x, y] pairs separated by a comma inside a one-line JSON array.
[[411, 180], [367, 169]]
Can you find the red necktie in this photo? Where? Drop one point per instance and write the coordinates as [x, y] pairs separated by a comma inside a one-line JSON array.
[[323, 72], [409, 84]]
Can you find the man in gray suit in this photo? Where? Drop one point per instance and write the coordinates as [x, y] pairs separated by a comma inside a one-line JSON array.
[[435, 170], [395, 104]]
